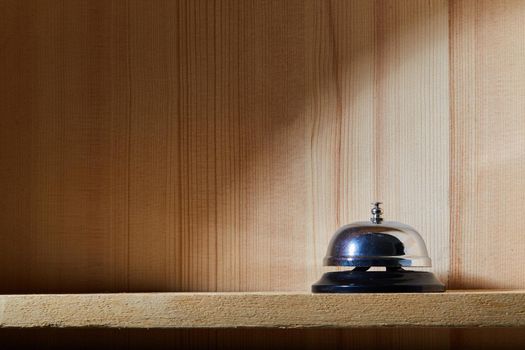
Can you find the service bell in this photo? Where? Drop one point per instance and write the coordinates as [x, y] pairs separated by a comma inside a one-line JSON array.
[[388, 244]]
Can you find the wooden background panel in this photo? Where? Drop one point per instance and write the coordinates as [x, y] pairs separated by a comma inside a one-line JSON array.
[[197, 145], [15, 143], [488, 143], [340, 66], [239, 222], [411, 161], [60, 104], [378, 108]]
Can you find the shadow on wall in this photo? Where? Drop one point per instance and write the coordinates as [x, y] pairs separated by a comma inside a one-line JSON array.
[[357, 339]]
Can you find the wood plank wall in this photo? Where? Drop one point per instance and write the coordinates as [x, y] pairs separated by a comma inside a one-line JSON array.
[[487, 193], [203, 146]]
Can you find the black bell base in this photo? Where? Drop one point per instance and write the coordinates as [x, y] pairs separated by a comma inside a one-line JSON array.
[[398, 281]]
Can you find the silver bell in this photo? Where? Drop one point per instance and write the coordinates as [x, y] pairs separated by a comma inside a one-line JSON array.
[[377, 243], [389, 244]]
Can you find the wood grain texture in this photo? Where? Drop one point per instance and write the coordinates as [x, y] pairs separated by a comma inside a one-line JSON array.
[[214, 145], [488, 143], [264, 310]]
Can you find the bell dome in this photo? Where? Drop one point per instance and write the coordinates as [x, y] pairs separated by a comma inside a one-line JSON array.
[[377, 243]]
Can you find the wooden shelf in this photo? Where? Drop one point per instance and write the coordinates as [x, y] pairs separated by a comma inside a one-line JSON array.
[[279, 310]]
